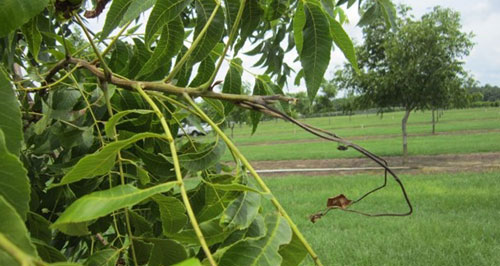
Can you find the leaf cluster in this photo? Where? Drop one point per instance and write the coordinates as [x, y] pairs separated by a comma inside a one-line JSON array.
[[417, 66]]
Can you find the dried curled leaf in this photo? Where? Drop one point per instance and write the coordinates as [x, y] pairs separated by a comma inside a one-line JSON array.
[[315, 217], [99, 7], [342, 148], [338, 201]]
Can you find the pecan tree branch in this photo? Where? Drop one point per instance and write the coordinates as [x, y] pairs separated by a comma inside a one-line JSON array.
[[172, 89], [55, 69]]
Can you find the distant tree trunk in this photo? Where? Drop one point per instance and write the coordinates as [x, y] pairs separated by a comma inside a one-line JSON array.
[[405, 136], [433, 122]]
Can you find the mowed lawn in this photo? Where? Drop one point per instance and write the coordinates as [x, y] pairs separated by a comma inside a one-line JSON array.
[[458, 131], [456, 219]]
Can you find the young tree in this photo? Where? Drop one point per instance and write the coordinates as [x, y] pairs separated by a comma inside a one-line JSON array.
[[417, 66]]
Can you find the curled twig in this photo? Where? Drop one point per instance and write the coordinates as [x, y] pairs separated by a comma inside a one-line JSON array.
[[344, 145]]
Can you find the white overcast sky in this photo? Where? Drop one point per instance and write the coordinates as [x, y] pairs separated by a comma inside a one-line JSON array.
[[481, 17]]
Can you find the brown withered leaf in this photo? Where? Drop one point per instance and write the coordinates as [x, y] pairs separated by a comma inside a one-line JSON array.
[[341, 148], [315, 217], [338, 201], [100, 5]]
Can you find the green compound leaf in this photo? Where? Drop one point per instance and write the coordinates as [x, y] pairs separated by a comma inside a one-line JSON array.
[[163, 12], [116, 11], [240, 213], [299, 21], [166, 252], [100, 162], [232, 82], [315, 54], [48, 253], [189, 262], [135, 9], [39, 227], [13, 230], [112, 122], [293, 253], [172, 213], [211, 229], [205, 70], [206, 156], [169, 45], [105, 257], [232, 7], [389, 12], [260, 88], [14, 182], [65, 263], [369, 16], [232, 187], [10, 116], [213, 35], [261, 251], [74, 229], [250, 19], [15, 13], [102, 203], [119, 58], [343, 41], [33, 36]]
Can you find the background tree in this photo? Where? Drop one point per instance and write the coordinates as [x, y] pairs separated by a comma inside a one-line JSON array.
[[324, 102], [303, 104], [489, 93], [417, 66]]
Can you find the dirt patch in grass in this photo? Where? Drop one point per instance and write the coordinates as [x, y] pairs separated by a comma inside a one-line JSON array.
[[453, 163]]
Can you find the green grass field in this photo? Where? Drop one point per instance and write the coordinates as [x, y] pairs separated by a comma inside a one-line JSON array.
[[458, 131], [456, 216], [455, 221]]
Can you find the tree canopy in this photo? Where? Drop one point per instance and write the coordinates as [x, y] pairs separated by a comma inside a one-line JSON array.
[[416, 66]]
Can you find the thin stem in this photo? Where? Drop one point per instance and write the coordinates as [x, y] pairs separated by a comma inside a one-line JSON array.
[[89, 106], [19, 255], [107, 71], [259, 180], [184, 58], [131, 236], [55, 82], [179, 123], [181, 105], [115, 38], [120, 167], [178, 175], [232, 36]]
